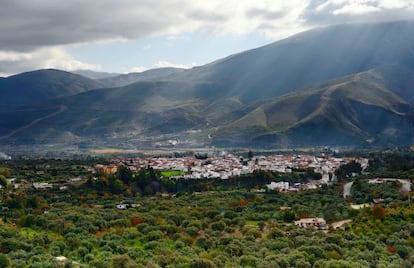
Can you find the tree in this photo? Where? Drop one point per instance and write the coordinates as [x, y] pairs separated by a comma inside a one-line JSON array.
[[202, 263], [124, 174], [121, 261], [275, 234], [378, 212], [288, 216], [250, 154], [218, 226], [3, 180], [115, 185], [4, 261], [346, 170]]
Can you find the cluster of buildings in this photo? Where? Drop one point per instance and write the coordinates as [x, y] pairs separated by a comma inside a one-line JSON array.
[[225, 166]]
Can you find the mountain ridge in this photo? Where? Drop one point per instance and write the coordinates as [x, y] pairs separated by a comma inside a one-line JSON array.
[[341, 85], [40, 85]]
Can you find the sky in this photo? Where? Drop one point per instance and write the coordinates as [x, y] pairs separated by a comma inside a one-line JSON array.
[[135, 35]]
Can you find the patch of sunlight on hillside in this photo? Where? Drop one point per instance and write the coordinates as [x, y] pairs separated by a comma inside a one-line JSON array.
[[256, 118]]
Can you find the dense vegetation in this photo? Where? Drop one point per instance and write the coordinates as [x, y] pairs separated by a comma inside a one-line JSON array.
[[202, 224]]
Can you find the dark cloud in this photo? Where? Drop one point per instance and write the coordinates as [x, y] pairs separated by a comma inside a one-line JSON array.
[[26, 25], [34, 33]]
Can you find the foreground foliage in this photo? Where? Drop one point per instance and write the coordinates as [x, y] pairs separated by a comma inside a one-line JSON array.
[[129, 220], [210, 229]]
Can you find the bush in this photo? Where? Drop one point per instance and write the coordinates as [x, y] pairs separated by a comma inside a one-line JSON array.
[[248, 261], [4, 261], [203, 242], [218, 226], [154, 235], [192, 230], [202, 263], [274, 234]]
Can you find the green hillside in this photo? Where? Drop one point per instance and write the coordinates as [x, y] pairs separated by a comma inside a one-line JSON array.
[[348, 111]]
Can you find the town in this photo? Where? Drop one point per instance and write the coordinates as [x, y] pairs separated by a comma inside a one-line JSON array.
[[225, 166], [202, 166]]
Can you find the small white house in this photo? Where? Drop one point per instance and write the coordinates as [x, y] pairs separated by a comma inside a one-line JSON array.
[[317, 223], [42, 185], [278, 186], [122, 206]]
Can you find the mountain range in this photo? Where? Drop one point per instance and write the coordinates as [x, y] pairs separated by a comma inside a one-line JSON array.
[[344, 85]]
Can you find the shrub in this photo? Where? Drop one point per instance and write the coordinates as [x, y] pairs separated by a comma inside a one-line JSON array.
[[274, 234], [202, 263], [218, 226], [154, 235], [4, 261]]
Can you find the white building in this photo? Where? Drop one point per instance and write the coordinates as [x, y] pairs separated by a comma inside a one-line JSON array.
[[317, 223], [279, 186]]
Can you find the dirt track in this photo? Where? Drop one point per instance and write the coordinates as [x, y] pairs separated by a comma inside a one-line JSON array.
[[62, 108]]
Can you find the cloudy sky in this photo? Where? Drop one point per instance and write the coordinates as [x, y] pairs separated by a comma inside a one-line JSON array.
[[134, 35]]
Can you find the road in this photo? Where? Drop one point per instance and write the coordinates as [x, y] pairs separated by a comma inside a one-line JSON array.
[[339, 224], [405, 185], [347, 189]]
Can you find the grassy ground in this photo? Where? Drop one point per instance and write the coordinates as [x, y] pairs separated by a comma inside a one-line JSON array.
[[170, 173]]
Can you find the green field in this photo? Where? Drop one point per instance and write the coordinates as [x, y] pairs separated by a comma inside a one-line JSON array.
[[170, 173]]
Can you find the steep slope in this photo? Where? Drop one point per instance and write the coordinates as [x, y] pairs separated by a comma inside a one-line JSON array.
[[143, 109], [349, 111], [306, 59], [399, 78], [40, 85]]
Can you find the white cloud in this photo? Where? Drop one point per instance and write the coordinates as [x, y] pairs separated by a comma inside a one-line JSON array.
[[28, 28], [163, 64], [355, 9], [328, 12], [160, 64], [55, 57], [12, 56], [60, 59], [137, 69], [395, 4]]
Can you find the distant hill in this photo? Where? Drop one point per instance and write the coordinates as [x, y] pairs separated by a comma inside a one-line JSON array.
[[94, 74], [36, 86], [149, 75], [347, 85]]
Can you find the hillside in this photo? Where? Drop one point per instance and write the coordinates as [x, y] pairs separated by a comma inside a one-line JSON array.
[[352, 110], [130, 78], [305, 59], [95, 74], [36, 86], [341, 85]]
